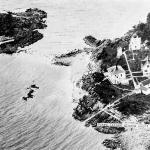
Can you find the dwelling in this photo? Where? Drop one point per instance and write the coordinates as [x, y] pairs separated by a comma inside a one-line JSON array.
[[145, 67], [119, 52], [145, 86], [135, 42], [117, 75]]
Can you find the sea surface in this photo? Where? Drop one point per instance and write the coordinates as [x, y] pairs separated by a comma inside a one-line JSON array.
[[45, 122]]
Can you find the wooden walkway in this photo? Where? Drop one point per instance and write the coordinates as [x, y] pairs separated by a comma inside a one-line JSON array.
[[7, 41]]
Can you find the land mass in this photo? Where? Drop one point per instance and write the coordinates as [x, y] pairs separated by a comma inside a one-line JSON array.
[[110, 107]]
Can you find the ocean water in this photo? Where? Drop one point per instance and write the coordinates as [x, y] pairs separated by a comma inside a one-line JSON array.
[[45, 122]]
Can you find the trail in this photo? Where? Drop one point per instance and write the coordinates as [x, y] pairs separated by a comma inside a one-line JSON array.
[[109, 106]]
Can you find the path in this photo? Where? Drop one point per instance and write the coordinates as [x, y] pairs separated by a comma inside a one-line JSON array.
[[7, 41], [110, 105], [124, 53]]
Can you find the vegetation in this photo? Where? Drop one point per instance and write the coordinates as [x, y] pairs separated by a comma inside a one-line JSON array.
[[107, 51], [92, 41], [136, 104], [112, 144], [99, 90]]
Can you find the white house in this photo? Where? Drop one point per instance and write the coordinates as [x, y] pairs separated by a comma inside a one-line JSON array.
[[117, 75], [135, 42], [119, 52], [145, 67], [145, 87]]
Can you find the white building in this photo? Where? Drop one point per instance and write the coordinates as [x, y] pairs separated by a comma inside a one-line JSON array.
[[135, 43], [145, 67], [145, 87], [119, 52], [117, 75]]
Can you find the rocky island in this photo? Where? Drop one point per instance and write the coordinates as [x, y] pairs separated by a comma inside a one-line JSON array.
[[115, 88], [31, 90], [21, 29]]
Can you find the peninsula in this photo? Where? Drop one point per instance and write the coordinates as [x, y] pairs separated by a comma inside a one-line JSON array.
[[115, 88]]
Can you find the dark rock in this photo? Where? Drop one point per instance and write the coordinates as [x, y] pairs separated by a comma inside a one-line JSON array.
[[34, 86], [110, 130], [31, 91]]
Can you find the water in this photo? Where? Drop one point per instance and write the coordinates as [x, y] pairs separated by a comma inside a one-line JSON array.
[[45, 121]]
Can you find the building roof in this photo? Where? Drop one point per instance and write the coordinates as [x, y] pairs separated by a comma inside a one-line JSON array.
[[145, 82], [116, 70]]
